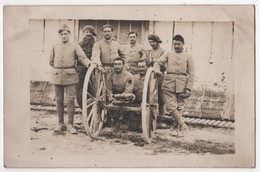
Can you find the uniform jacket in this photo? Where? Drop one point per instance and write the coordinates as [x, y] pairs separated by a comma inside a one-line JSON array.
[[105, 51], [119, 84], [180, 71], [133, 55], [152, 55], [138, 88], [62, 59]]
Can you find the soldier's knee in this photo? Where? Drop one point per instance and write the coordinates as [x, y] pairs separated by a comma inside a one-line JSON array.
[[59, 100], [70, 99]]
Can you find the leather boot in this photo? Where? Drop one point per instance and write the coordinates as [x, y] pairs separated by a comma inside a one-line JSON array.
[[60, 112], [71, 110], [182, 127]]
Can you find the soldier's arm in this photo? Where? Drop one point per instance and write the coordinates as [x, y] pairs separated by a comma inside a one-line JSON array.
[[82, 56], [109, 86], [161, 61], [96, 54], [190, 73], [51, 58], [129, 85], [121, 52], [142, 51]]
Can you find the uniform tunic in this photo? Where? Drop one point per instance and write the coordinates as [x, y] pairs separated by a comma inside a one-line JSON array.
[[138, 87], [152, 55], [119, 83], [62, 59], [180, 75], [134, 53], [104, 51]]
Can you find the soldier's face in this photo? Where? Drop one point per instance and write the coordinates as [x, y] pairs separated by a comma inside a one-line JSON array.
[[178, 46], [154, 44], [64, 36], [142, 68], [87, 34], [107, 33], [118, 66], [132, 37]]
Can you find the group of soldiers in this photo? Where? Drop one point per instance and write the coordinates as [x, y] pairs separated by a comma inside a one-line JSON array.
[[124, 67]]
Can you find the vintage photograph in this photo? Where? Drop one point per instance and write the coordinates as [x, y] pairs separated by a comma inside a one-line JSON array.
[[149, 83]]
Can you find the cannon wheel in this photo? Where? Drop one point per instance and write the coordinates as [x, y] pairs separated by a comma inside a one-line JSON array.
[[93, 98], [149, 105]]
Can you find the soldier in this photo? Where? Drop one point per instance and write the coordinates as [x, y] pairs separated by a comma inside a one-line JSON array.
[[134, 118], [86, 44], [119, 81], [178, 82], [139, 80], [106, 50], [134, 52], [64, 76], [151, 56]]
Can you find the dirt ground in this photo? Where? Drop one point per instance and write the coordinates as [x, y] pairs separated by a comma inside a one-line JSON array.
[[198, 140]]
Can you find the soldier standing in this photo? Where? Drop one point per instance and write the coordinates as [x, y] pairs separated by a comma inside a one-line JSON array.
[[64, 76], [134, 52], [86, 44], [178, 82], [106, 50], [151, 56]]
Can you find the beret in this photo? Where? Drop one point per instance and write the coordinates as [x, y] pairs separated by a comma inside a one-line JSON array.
[[154, 38]]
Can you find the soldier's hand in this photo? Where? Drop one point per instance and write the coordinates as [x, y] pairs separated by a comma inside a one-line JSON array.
[[158, 73], [102, 70], [187, 92]]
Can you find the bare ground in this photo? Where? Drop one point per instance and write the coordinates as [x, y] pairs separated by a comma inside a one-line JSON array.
[[198, 140]]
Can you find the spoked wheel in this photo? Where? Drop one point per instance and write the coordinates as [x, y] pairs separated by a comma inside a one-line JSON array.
[[149, 105], [93, 99]]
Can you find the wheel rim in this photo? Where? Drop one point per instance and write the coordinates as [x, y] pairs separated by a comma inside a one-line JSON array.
[[93, 100], [149, 105]]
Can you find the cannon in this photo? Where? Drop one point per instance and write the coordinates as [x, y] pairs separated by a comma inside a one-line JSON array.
[[95, 106]]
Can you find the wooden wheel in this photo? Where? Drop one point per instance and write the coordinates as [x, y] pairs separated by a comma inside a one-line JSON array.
[[149, 105], [93, 99]]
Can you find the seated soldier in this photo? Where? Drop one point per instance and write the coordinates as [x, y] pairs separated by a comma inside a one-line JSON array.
[[120, 82], [134, 118], [139, 81]]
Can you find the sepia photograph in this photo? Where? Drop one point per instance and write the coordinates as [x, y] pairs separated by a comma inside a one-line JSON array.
[[129, 86]]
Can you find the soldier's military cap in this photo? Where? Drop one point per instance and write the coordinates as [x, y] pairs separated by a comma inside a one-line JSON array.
[[154, 38], [90, 28], [107, 25], [64, 27]]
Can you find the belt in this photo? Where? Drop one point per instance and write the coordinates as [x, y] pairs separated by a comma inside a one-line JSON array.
[[64, 67], [107, 64], [175, 73]]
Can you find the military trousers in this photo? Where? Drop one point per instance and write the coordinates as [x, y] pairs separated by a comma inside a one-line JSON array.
[[174, 101], [70, 91]]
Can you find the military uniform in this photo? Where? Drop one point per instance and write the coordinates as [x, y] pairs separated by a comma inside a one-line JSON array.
[[180, 75], [104, 52], [86, 46], [138, 88], [152, 55], [119, 84], [64, 76], [134, 54]]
